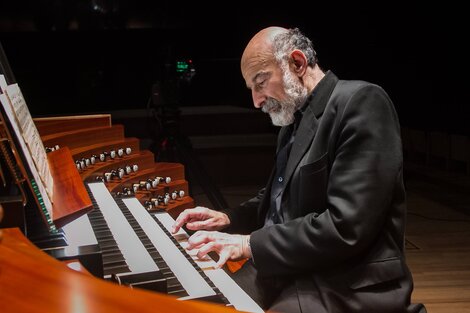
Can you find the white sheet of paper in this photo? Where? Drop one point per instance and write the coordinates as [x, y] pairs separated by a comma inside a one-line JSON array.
[[28, 157], [3, 83], [30, 134]]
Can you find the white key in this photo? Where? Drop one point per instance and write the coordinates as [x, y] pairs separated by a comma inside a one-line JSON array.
[[229, 288], [188, 276], [134, 252], [79, 232]]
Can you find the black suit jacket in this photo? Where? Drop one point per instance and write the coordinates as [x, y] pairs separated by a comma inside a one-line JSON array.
[[342, 242]]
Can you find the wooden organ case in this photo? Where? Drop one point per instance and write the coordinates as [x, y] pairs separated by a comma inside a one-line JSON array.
[[101, 152], [106, 247]]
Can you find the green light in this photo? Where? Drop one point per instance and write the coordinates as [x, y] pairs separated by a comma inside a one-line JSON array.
[[182, 66], [43, 208]]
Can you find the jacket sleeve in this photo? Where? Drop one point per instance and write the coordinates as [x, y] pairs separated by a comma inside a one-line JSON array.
[[367, 164], [243, 219]]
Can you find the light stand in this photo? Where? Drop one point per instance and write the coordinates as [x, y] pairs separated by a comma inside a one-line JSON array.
[[170, 144]]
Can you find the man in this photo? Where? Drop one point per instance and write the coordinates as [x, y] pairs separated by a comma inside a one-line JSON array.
[[327, 232]]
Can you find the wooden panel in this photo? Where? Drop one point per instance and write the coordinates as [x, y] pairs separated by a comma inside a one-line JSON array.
[[32, 281], [52, 125], [174, 208], [164, 188], [81, 137], [144, 159], [70, 198], [162, 169], [89, 150], [179, 184], [173, 170], [84, 137]]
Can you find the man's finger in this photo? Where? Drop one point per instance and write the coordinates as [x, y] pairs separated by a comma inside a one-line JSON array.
[[205, 249], [189, 215], [180, 221], [223, 258], [197, 225], [199, 238]]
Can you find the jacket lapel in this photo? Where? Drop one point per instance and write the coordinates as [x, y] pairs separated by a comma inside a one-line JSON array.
[[309, 123], [303, 138], [282, 138]]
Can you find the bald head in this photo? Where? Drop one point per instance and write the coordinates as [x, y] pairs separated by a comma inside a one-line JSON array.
[[279, 67], [259, 50]]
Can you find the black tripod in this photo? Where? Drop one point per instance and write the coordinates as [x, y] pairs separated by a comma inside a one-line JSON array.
[[170, 145]]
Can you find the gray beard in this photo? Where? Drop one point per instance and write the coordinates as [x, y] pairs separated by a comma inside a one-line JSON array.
[[282, 112]]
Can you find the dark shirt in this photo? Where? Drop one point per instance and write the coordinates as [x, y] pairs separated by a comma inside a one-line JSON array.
[[275, 215]]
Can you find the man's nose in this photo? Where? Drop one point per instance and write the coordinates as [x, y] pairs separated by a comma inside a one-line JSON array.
[[258, 99]]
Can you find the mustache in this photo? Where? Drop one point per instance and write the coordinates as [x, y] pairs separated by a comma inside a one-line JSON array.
[[271, 105]]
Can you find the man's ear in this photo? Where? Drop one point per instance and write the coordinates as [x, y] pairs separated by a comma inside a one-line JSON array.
[[298, 62]]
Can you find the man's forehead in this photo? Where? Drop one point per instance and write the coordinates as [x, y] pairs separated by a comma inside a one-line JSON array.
[[257, 64]]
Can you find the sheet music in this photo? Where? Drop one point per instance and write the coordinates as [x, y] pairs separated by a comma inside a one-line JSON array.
[[28, 154], [3, 83], [30, 135]]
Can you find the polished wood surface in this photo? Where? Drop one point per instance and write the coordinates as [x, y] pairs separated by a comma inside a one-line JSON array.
[[234, 266], [438, 253], [86, 151], [52, 286], [84, 137], [32, 281], [70, 198], [90, 135], [51, 125], [144, 159]]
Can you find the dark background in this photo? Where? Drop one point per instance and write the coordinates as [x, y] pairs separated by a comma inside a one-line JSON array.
[[98, 56]]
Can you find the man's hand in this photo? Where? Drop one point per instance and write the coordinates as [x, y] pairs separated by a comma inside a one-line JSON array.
[[201, 218], [227, 246]]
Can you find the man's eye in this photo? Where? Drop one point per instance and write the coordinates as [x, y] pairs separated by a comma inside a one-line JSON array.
[[261, 84]]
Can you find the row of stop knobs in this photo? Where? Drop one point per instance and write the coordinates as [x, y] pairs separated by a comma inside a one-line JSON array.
[[117, 173], [149, 184], [83, 163], [163, 199]]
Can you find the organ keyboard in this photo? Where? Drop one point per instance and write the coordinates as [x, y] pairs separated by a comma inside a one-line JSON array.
[[146, 245], [128, 224], [109, 207]]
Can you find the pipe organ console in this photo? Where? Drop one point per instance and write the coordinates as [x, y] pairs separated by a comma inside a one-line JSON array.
[[87, 225], [120, 237]]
